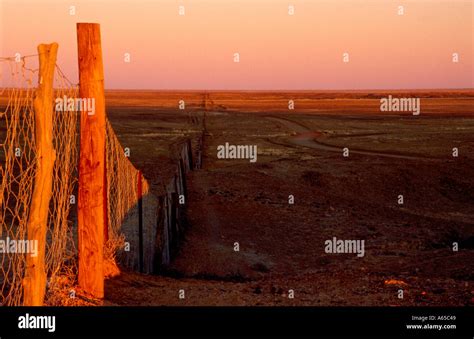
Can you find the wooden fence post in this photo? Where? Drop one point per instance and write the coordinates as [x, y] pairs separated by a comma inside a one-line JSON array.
[[91, 210], [34, 282]]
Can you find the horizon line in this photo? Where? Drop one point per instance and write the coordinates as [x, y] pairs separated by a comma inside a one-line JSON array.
[[292, 90], [269, 90]]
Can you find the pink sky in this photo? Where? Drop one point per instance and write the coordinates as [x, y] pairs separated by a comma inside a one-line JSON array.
[[277, 51]]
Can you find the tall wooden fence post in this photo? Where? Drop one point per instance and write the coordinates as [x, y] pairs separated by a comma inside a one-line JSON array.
[[91, 216], [34, 282]]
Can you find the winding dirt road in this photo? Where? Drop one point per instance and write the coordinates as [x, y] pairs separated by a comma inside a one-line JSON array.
[[306, 137]]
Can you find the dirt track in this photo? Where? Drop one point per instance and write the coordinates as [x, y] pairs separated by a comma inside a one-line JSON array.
[[307, 138]]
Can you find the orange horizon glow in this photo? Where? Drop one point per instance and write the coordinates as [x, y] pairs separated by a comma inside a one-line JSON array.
[[277, 51]]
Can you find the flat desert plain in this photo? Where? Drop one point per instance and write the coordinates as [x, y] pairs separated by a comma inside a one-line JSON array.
[[334, 167]]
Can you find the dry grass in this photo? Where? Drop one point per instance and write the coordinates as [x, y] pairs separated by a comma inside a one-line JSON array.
[[319, 102]]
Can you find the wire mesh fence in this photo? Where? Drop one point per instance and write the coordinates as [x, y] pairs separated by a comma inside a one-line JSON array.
[[17, 172]]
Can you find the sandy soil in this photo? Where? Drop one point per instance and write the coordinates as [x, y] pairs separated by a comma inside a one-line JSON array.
[[282, 247]]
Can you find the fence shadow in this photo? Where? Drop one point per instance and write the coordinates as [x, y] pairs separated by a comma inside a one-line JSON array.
[[151, 246]]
